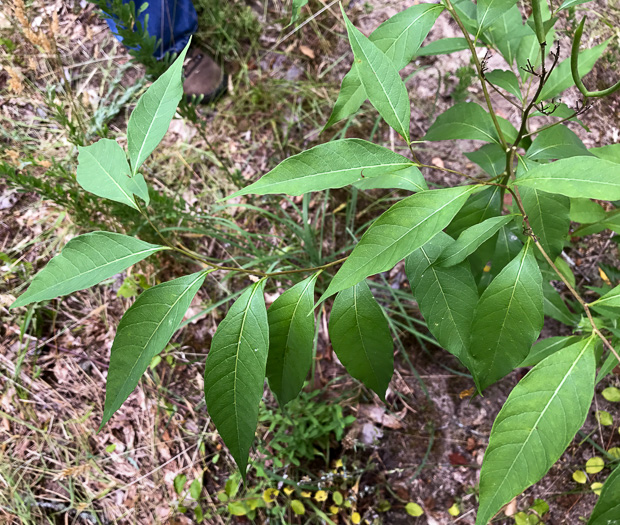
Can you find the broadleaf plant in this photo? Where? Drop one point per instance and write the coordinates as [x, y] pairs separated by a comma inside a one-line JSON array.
[[482, 256]]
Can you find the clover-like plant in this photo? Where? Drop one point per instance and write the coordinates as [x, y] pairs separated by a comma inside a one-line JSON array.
[[479, 271]]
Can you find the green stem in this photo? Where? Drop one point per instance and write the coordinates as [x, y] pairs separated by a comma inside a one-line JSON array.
[[538, 22], [574, 68]]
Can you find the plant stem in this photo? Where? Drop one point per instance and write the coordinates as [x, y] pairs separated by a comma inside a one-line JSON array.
[[479, 71], [515, 193]]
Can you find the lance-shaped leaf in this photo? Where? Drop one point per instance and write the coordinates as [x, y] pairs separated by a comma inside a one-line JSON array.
[[478, 207], [468, 121], [291, 340], [557, 142], [447, 297], [508, 319], [382, 83], [331, 165], [507, 32], [490, 157], [610, 300], [403, 228], [443, 46], [150, 119], [548, 215], [360, 336], [586, 177], [586, 211], [144, 331], [490, 10], [84, 262], [507, 247], [555, 307], [469, 241], [506, 80], [410, 179], [545, 347], [398, 38], [104, 171], [235, 372], [607, 508], [561, 78], [536, 424]]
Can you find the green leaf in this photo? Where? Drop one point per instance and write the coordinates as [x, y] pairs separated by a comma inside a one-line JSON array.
[[398, 38], [536, 424], [610, 299], [506, 33], [410, 179], [571, 3], [556, 143], [85, 261], [478, 207], [490, 157], [235, 372], [179, 483], [584, 177], [545, 347], [404, 227], [291, 340], [331, 165], [607, 508], [443, 46], [586, 211], [413, 509], [556, 308], [507, 247], [611, 394], [508, 319], [549, 217], [360, 336], [447, 297], [103, 170], [611, 152], [150, 119], [561, 78], [469, 121], [296, 9], [490, 10], [143, 332], [506, 80], [381, 81], [471, 238]]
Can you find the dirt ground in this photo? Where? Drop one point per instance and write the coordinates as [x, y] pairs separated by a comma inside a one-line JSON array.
[[425, 445]]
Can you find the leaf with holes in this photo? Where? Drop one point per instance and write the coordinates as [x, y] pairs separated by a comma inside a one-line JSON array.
[[361, 338]]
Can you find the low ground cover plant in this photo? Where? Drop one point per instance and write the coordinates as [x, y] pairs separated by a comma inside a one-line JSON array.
[[480, 257]]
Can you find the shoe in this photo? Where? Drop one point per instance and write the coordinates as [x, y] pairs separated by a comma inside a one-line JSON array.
[[204, 80]]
